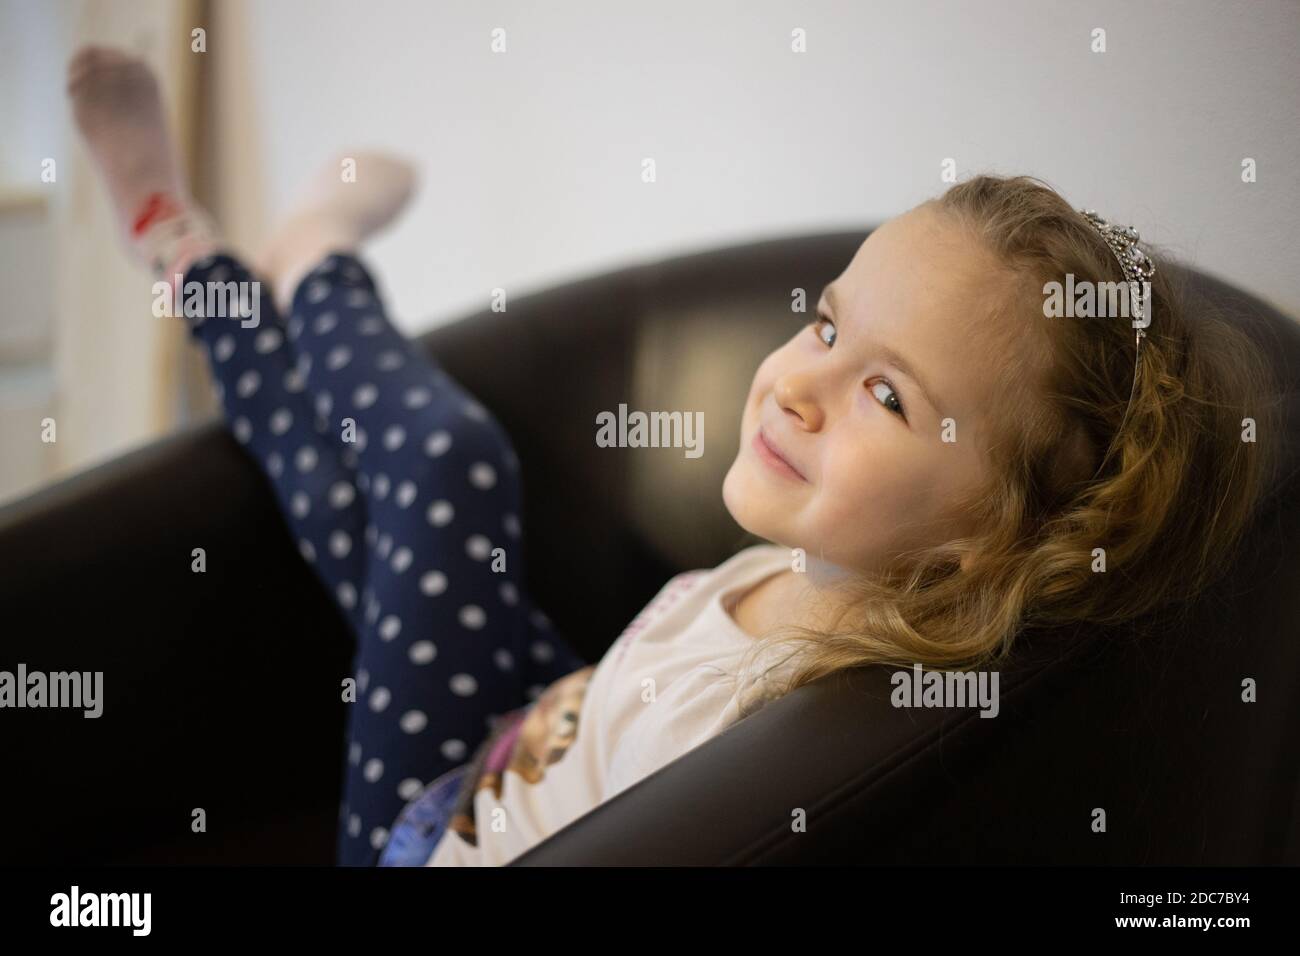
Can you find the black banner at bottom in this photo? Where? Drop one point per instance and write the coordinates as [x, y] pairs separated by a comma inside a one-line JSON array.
[[210, 905]]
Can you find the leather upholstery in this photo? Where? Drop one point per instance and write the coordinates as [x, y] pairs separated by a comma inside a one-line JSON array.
[[222, 688]]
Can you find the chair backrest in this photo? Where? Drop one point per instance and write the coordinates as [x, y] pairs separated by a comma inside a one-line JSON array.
[[1154, 732], [606, 527]]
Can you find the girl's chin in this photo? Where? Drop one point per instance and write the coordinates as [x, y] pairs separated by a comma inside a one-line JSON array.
[[758, 517]]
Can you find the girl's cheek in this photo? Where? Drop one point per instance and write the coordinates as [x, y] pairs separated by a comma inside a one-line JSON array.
[[773, 366], [763, 379]]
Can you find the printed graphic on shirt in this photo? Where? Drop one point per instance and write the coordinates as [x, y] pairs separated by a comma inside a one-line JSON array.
[[525, 741], [671, 593]]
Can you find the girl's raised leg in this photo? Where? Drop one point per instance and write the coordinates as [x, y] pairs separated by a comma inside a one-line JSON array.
[[414, 532], [450, 638]]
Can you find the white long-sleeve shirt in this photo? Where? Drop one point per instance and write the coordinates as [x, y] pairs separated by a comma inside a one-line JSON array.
[[669, 683]]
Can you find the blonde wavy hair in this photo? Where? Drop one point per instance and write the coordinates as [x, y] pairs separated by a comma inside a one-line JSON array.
[[1169, 496]]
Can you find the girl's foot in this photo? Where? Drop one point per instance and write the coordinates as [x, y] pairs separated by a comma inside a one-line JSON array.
[[118, 110], [335, 214]]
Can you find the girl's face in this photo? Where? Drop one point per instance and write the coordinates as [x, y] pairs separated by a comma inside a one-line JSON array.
[[884, 406]]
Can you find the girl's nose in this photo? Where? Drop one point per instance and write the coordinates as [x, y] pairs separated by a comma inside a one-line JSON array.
[[796, 394]]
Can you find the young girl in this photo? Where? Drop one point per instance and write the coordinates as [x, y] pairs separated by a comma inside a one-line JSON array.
[[936, 462]]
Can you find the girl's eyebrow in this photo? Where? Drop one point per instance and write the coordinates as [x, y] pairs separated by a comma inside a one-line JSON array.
[[890, 355]]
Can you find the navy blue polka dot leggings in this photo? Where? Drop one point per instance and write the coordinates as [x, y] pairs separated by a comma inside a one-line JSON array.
[[403, 493]]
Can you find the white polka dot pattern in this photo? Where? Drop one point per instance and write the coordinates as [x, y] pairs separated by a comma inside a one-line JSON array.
[[397, 503]]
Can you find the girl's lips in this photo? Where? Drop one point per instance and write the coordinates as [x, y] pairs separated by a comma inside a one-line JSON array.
[[770, 455]]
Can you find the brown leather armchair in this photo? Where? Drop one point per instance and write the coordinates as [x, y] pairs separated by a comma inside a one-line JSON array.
[[222, 688]]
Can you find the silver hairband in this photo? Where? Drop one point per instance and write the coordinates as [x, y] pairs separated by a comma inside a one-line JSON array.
[[1137, 265], [1138, 268]]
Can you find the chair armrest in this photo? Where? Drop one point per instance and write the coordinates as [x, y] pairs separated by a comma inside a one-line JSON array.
[[220, 689]]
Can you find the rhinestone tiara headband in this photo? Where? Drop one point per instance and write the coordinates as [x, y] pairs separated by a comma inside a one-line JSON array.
[[1137, 265], [1138, 268]]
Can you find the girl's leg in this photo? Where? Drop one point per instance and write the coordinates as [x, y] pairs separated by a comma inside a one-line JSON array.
[[447, 638], [376, 394], [450, 639], [416, 715], [266, 408]]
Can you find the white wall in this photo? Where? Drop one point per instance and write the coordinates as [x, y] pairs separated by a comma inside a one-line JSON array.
[[78, 341], [31, 44], [531, 159]]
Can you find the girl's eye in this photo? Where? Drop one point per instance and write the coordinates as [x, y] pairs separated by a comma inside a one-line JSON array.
[[820, 324], [897, 406], [821, 320]]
